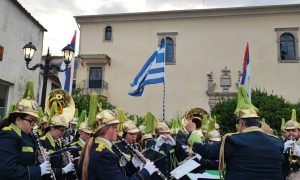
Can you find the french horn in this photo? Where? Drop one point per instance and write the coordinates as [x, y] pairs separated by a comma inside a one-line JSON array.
[[65, 103], [196, 115]]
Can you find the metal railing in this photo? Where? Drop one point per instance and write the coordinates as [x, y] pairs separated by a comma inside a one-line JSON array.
[[86, 87]]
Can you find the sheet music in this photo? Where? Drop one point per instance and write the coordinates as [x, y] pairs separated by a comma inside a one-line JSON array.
[[184, 168]]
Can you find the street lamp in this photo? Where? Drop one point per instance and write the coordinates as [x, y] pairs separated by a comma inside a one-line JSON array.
[[29, 50]]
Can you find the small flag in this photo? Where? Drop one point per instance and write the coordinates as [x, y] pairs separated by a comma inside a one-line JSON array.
[[152, 72], [246, 71], [66, 78]]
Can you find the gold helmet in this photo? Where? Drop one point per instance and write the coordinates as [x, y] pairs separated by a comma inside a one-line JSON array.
[[57, 120], [292, 124], [130, 127], [162, 128], [27, 106], [105, 118], [214, 135], [82, 123], [245, 109], [85, 128]]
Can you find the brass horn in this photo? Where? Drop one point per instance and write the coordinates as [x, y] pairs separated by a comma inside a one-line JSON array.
[[196, 115], [65, 103]]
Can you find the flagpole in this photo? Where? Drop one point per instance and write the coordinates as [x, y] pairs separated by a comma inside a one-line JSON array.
[[164, 84], [248, 77]]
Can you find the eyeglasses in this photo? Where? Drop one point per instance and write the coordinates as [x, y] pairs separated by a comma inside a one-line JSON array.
[[62, 129], [31, 122]]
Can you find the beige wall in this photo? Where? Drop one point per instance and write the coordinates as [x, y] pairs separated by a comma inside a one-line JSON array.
[[202, 45]]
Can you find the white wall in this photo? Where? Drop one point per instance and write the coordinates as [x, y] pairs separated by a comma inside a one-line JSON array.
[[16, 30]]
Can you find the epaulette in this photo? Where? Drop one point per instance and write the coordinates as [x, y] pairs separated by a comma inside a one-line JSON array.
[[73, 143], [230, 134], [7, 128], [273, 136], [43, 138], [100, 147]]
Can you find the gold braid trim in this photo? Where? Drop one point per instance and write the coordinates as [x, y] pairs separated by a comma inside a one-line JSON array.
[[222, 156]]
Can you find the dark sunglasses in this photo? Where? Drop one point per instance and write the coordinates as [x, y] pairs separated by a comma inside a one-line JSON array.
[[31, 122]]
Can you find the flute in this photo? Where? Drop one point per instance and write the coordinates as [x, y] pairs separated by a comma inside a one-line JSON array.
[[139, 155], [43, 153]]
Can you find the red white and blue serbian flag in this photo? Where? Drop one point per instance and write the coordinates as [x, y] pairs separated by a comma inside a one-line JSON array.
[[152, 72], [246, 71], [66, 78]]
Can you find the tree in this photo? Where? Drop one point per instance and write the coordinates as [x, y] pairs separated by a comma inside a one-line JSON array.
[[271, 107], [82, 101]]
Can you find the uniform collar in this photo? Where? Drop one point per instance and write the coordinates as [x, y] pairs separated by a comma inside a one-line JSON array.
[[81, 142], [51, 140], [106, 142], [252, 129], [16, 129]]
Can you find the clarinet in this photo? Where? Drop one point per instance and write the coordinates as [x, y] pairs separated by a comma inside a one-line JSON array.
[[120, 154], [70, 159], [43, 153], [139, 155]]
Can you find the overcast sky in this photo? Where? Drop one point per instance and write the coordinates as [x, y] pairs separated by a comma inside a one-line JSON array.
[[57, 15]]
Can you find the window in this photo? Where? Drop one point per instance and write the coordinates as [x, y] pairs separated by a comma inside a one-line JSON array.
[[287, 44], [3, 99], [170, 38], [287, 47], [108, 33], [1, 52], [95, 77], [169, 50]]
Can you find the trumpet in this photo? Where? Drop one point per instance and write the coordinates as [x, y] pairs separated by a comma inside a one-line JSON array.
[[43, 153], [139, 155], [293, 158]]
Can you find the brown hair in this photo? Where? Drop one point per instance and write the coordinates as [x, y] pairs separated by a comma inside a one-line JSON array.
[[86, 152]]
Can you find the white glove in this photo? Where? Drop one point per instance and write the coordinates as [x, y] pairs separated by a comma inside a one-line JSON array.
[[137, 162], [288, 144], [45, 168], [297, 149], [198, 156], [160, 140], [171, 141], [68, 168], [150, 167]]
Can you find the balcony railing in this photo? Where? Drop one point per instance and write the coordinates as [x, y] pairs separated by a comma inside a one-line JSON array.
[[89, 86]]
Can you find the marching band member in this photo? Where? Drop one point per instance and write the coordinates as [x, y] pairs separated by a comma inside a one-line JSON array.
[[98, 159], [291, 133], [55, 130], [85, 133], [250, 154], [165, 144], [18, 149], [130, 132]]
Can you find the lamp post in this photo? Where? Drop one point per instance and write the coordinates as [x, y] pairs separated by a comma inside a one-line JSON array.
[[29, 50]]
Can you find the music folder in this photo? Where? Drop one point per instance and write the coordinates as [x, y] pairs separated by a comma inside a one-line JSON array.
[[152, 154], [184, 168]]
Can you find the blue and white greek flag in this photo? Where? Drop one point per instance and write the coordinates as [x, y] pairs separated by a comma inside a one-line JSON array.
[[152, 72]]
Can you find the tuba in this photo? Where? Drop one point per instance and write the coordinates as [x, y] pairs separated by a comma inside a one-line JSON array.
[[196, 115], [65, 103]]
